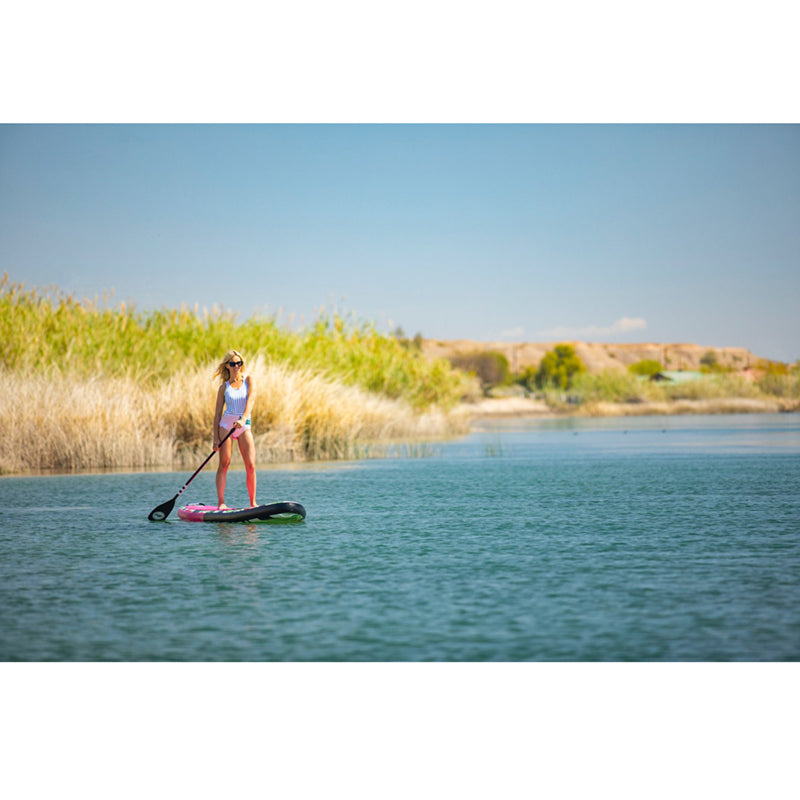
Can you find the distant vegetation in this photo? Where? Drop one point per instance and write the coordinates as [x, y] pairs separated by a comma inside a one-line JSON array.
[[114, 386], [781, 380], [556, 371], [559, 368], [562, 380], [646, 368], [490, 368]]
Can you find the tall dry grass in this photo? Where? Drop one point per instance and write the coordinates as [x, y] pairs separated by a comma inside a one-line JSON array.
[[51, 421], [55, 421]]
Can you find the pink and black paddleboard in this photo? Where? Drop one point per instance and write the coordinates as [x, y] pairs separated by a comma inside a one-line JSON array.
[[272, 512]]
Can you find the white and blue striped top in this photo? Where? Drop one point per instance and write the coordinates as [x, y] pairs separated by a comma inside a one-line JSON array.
[[235, 399]]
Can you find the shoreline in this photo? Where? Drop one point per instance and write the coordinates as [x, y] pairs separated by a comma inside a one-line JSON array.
[[472, 414], [518, 407]]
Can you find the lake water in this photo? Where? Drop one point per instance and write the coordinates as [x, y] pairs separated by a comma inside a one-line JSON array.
[[656, 538]]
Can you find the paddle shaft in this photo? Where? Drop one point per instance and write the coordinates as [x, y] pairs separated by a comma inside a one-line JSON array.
[[160, 513]]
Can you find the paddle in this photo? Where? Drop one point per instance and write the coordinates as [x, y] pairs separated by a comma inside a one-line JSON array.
[[160, 513]]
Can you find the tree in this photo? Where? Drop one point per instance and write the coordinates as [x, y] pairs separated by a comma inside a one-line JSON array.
[[709, 360], [491, 368], [526, 377], [558, 367]]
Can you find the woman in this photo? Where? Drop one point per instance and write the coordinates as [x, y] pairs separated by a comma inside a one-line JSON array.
[[236, 395]]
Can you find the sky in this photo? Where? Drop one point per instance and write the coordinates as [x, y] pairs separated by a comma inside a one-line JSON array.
[[530, 232]]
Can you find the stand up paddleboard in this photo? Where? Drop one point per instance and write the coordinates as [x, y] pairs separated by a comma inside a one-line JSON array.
[[273, 512]]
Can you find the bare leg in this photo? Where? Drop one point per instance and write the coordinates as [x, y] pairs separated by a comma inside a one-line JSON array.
[[247, 447], [222, 468]]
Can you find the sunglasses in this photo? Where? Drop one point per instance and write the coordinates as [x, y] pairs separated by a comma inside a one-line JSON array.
[[235, 363]]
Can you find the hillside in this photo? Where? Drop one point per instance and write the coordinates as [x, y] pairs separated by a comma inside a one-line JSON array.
[[598, 357]]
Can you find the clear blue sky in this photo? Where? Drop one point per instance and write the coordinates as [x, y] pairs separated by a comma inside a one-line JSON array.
[[684, 233]]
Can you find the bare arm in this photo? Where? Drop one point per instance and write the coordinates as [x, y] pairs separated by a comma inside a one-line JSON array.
[[218, 413], [251, 396]]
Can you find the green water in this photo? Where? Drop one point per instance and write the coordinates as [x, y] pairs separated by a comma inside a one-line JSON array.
[[674, 538]]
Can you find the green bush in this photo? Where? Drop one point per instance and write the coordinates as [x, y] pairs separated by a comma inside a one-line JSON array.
[[711, 387], [781, 380], [611, 386], [709, 359], [709, 364], [646, 368]]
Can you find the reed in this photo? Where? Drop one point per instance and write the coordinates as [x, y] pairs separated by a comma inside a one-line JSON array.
[[40, 329], [66, 423], [107, 422]]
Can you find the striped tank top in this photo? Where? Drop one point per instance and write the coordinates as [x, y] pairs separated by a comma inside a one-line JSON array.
[[235, 399]]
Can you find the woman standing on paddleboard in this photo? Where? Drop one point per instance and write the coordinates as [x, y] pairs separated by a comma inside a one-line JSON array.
[[236, 395]]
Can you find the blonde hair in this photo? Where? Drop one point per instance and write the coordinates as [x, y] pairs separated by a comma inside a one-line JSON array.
[[223, 370]]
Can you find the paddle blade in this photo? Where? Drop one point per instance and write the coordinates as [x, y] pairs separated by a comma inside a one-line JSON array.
[[160, 513]]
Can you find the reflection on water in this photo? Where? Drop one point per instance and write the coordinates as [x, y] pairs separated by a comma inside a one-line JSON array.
[[237, 534]]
